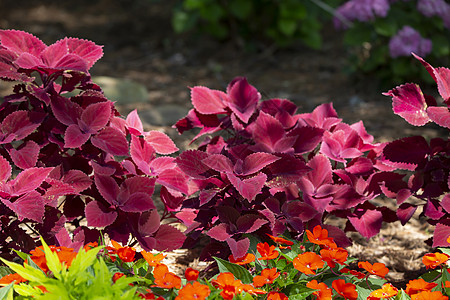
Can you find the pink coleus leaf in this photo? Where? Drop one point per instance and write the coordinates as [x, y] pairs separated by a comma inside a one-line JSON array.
[[249, 187], [238, 248], [108, 188], [74, 137], [26, 157], [142, 153], [30, 206], [408, 102], [255, 162], [87, 50], [307, 138], [77, 179], [149, 222], [441, 233], [20, 42], [5, 170], [65, 110], [28, 180], [95, 117], [405, 211], [323, 116], [286, 171], [219, 232], [168, 238], [174, 179], [219, 163], [21, 123], [367, 222], [207, 101], [250, 223], [406, 153], [439, 115], [134, 123], [161, 142], [98, 215], [162, 163], [266, 131], [64, 240], [190, 162], [243, 98], [111, 140], [441, 76], [138, 202]]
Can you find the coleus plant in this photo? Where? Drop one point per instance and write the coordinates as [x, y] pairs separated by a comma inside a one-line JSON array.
[[266, 169], [67, 157], [429, 161]]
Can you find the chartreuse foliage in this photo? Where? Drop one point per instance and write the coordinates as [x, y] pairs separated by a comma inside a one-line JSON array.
[[281, 269]]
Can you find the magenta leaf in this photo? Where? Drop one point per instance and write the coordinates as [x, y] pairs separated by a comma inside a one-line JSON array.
[[111, 140], [142, 153], [440, 75], [25, 157], [243, 99], [409, 103], [405, 211], [95, 117], [307, 138], [173, 179], [238, 248], [20, 123], [406, 153], [286, 171], [65, 110], [255, 162], [440, 115], [250, 223], [138, 202], [98, 215], [87, 50], [249, 187], [30, 206], [149, 222], [64, 240], [29, 180], [207, 101], [441, 233], [190, 162], [74, 137], [168, 238], [134, 123], [5, 170], [367, 222], [161, 142], [267, 131], [172, 202], [219, 163], [108, 188], [20, 42], [219, 232], [77, 179]]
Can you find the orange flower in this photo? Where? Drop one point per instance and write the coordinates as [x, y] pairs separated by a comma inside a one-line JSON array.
[[164, 278], [267, 277], [251, 290], [126, 254], [386, 291], [152, 260], [149, 295], [276, 296], [7, 279], [229, 286], [267, 252], [193, 291], [191, 274], [432, 260], [334, 255], [116, 276], [419, 285], [281, 241], [319, 236], [357, 274], [65, 255], [429, 295], [346, 290], [378, 269], [323, 293], [246, 259], [90, 245], [307, 262]]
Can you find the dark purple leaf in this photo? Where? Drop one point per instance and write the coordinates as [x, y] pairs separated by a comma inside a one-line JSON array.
[[207, 101], [108, 188], [243, 99], [286, 171], [406, 153], [339, 236], [249, 223], [142, 153], [77, 179], [360, 166], [307, 138], [171, 202], [65, 110], [409, 103], [300, 210], [433, 210], [249, 187], [98, 215], [405, 211], [168, 238], [149, 222]]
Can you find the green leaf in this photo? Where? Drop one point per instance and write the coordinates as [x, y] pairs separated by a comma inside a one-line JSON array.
[[238, 271], [6, 292], [385, 27], [181, 21], [5, 271], [241, 9], [26, 271], [298, 291], [84, 259], [287, 26], [357, 35], [22, 255], [27, 290], [402, 296], [363, 293], [52, 259]]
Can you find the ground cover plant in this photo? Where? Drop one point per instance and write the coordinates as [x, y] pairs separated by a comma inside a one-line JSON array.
[[69, 160]]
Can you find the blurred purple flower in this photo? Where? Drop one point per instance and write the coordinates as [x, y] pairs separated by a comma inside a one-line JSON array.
[[431, 8], [409, 40], [360, 10]]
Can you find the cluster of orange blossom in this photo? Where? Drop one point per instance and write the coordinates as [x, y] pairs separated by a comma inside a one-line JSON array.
[[272, 267]]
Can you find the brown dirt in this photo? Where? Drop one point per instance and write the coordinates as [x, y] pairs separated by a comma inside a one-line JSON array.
[[140, 45]]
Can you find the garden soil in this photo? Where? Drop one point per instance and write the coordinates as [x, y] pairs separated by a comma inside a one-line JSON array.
[[141, 48]]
